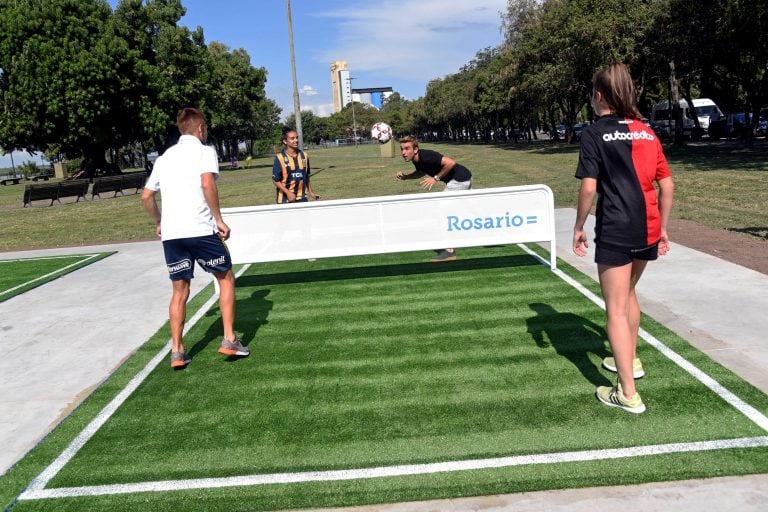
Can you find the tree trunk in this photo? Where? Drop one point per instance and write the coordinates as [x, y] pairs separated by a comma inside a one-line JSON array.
[[95, 164], [674, 104]]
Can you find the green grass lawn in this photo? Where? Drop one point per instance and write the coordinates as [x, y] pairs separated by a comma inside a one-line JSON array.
[[718, 185], [386, 360], [20, 275]]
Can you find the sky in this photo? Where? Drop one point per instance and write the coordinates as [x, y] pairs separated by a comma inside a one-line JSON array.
[[401, 44]]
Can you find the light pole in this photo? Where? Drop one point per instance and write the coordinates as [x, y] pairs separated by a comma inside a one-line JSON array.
[[352, 100], [296, 105]]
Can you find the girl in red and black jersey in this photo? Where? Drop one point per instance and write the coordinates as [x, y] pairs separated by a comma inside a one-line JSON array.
[[621, 160]]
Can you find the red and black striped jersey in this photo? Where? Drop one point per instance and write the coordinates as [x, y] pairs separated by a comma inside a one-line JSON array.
[[625, 157]]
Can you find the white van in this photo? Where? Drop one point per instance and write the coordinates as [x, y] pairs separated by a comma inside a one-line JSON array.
[[706, 110]]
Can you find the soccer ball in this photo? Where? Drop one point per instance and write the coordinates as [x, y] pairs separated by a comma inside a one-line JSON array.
[[381, 132]]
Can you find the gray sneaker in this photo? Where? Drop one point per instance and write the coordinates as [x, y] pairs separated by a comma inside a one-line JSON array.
[[233, 348], [444, 255], [179, 360]]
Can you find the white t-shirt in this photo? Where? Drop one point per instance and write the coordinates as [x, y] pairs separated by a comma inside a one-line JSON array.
[[176, 175]]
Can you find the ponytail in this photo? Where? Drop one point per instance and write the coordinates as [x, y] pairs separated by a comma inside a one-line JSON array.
[[618, 90]]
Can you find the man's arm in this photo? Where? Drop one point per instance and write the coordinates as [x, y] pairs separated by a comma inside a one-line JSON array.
[[400, 175], [211, 194], [446, 164], [149, 201]]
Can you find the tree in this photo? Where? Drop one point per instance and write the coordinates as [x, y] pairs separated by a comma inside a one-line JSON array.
[[313, 127], [558, 45], [233, 90], [60, 76], [164, 64]]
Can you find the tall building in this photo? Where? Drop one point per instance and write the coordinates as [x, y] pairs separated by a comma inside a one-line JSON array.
[[340, 85]]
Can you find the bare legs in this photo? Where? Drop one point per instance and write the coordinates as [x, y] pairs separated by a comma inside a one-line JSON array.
[[177, 311], [623, 316], [227, 302]]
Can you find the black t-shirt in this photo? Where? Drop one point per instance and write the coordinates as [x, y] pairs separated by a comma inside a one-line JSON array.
[[429, 163], [626, 159]]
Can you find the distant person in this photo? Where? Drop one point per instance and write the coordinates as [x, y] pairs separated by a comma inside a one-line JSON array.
[[192, 228], [433, 167], [622, 161], [291, 170]]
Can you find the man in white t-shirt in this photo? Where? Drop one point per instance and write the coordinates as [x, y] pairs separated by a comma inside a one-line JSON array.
[[191, 228]]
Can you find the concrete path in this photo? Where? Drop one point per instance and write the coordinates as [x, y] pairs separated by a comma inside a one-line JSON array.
[[59, 341], [717, 306]]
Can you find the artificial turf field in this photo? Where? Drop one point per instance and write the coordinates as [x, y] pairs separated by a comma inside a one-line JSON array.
[[385, 378], [20, 275]]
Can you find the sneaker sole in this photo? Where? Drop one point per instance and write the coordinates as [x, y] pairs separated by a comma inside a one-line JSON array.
[[227, 352], [633, 410], [638, 375]]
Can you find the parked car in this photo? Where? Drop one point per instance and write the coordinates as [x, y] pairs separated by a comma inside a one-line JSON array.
[[707, 112], [577, 129], [762, 127], [560, 129]]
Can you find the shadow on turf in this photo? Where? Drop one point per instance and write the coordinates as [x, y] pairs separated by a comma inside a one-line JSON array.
[[396, 269], [572, 336], [256, 309]]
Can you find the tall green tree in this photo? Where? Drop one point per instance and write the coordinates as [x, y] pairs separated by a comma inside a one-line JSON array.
[[61, 76], [233, 90], [558, 45], [165, 64]]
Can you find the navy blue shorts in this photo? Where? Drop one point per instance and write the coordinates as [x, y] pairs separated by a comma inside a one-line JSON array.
[[618, 257], [208, 251]]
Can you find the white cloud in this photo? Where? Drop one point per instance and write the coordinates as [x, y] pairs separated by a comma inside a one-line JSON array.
[[308, 90], [320, 109], [414, 40]]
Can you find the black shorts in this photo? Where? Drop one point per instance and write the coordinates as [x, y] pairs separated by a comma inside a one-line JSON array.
[[617, 257], [208, 251]]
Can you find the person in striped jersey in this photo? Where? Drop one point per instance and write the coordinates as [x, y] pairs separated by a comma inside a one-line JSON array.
[[290, 172]]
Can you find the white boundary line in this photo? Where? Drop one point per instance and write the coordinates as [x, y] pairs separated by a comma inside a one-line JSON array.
[[390, 471], [747, 410], [62, 269], [37, 490], [90, 430], [59, 257]]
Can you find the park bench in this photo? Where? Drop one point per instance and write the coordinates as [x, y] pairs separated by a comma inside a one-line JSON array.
[[9, 180], [107, 184], [48, 191], [73, 188], [55, 191], [118, 184], [135, 180]]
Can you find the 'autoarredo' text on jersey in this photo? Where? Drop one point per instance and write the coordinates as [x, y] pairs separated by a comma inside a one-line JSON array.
[[626, 158], [293, 172]]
